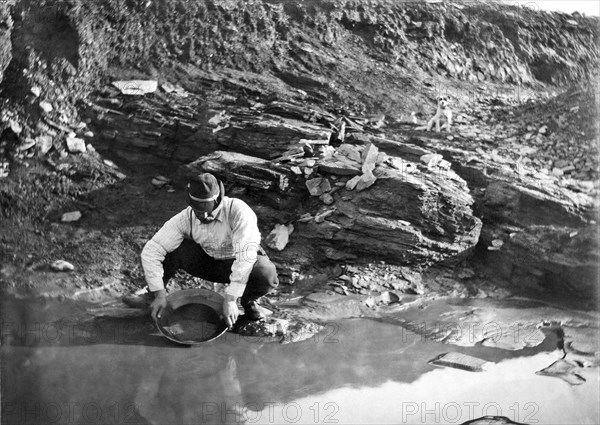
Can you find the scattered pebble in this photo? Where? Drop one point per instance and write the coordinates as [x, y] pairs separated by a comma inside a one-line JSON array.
[[75, 145], [15, 126], [461, 361], [305, 218], [27, 144], [497, 243], [72, 216], [326, 198], [44, 143], [279, 236], [160, 181], [4, 170], [46, 107], [62, 266], [136, 87]]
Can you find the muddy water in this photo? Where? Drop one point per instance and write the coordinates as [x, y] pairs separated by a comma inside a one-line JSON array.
[[357, 371]]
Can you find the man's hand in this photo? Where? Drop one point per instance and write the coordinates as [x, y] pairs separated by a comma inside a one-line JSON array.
[[159, 303], [230, 310]]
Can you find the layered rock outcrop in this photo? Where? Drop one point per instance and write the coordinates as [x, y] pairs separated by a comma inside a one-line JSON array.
[[354, 202], [537, 233]]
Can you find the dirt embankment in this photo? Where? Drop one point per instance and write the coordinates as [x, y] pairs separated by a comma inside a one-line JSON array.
[[355, 54]]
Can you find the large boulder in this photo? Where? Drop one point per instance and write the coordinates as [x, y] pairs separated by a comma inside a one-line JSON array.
[[398, 211], [539, 231]]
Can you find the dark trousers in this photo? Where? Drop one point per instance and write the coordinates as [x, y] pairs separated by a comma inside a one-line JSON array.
[[190, 256]]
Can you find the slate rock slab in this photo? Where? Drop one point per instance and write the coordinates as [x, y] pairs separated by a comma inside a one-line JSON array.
[[565, 370], [460, 361]]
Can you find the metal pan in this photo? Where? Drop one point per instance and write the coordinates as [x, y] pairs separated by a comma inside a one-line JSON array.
[[193, 316]]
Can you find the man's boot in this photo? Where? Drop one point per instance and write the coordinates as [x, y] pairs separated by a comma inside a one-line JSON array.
[[142, 301], [252, 310]]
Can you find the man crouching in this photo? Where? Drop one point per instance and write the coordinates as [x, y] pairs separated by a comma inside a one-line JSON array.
[[215, 238]]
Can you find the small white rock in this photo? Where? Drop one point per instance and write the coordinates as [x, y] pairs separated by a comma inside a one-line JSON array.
[[305, 218], [46, 107], [75, 144], [88, 134], [431, 159], [27, 144], [160, 181], [4, 170], [497, 243], [71, 216], [279, 236], [44, 143], [168, 87], [136, 87], [36, 91], [62, 266], [15, 126], [327, 199]]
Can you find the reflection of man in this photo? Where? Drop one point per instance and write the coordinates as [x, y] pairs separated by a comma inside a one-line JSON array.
[[215, 238], [192, 389]]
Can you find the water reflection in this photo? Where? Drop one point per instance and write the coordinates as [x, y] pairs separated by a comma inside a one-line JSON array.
[[446, 396], [357, 371], [198, 390]]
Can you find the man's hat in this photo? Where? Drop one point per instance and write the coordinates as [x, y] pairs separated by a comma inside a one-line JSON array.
[[202, 190]]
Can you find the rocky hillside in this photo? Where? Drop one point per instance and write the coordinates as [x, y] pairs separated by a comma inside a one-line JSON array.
[[347, 57], [310, 111]]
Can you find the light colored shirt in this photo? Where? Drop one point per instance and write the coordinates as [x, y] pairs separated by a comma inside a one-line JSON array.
[[233, 234]]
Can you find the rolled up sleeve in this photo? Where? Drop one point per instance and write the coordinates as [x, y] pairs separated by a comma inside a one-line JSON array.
[[245, 238], [166, 240]]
